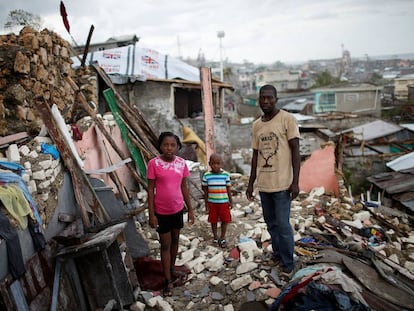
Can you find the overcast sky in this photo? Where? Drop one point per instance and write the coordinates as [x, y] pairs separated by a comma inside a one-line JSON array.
[[259, 31]]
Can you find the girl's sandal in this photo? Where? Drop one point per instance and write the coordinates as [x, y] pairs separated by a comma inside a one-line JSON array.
[[178, 274], [166, 292]]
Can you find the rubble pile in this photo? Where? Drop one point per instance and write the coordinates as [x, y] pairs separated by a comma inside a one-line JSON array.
[[242, 273], [38, 66]]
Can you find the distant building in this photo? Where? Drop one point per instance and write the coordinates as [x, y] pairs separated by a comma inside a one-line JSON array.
[[284, 80], [356, 98], [401, 86]]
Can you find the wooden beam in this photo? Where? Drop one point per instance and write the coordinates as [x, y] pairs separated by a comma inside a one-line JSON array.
[[207, 99]]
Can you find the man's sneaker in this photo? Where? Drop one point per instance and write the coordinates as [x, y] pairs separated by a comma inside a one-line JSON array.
[[271, 260], [289, 273]]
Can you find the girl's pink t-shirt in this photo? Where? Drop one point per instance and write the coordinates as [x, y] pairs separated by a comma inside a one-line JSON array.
[[168, 177]]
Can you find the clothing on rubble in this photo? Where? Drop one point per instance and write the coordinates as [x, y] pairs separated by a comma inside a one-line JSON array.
[[14, 252], [309, 292], [16, 204], [7, 178]]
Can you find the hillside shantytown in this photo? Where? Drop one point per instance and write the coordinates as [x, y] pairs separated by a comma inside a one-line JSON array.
[[79, 125]]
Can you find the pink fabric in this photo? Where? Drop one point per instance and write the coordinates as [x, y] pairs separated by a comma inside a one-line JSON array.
[[319, 170], [168, 177]]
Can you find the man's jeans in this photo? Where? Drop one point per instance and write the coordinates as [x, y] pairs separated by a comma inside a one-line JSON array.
[[276, 212]]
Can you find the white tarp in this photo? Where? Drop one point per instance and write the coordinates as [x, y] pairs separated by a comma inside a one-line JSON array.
[[141, 64]]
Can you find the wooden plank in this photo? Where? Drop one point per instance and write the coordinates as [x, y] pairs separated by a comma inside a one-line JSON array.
[[136, 119], [207, 99], [85, 195], [13, 138]]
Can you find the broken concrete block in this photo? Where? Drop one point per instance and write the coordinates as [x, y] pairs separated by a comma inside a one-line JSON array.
[[164, 305], [265, 236], [24, 150], [183, 239], [42, 139], [26, 177], [57, 170], [362, 215], [409, 265], [39, 175], [13, 154], [43, 185], [33, 154], [185, 257], [46, 164], [246, 267], [394, 258], [215, 263], [241, 282], [248, 250], [214, 280], [49, 173], [193, 263], [137, 306], [32, 186], [198, 268]]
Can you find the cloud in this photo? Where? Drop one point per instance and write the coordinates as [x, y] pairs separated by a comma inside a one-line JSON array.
[[259, 31]]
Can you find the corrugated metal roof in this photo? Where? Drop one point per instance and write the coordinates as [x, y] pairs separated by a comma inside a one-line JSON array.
[[355, 87], [402, 163], [409, 126], [374, 130], [398, 184]]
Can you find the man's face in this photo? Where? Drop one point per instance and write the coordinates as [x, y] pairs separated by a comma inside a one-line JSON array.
[[267, 101]]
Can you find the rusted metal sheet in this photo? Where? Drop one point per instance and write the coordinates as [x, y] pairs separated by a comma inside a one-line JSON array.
[[398, 184], [207, 99], [394, 182]]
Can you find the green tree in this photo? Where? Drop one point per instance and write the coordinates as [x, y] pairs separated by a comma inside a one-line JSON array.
[[325, 78], [21, 18]]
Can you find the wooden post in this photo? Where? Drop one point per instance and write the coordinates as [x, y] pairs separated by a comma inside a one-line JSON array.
[[207, 99]]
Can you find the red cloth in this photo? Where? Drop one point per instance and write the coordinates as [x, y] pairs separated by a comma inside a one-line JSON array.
[[64, 16], [151, 276]]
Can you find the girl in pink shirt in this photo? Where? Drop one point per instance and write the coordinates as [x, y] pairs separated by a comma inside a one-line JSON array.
[[167, 192]]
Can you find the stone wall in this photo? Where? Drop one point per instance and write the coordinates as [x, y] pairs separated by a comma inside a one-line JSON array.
[[33, 65]]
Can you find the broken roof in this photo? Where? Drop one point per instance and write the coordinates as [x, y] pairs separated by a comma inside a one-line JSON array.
[[401, 163], [374, 130], [349, 87]]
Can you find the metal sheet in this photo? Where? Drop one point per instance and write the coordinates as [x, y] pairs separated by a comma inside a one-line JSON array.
[[371, 280]]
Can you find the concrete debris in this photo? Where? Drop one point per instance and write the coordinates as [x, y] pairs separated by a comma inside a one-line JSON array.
[[320, 237]]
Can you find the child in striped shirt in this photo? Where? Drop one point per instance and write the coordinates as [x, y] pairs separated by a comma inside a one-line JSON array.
[[217, 196]]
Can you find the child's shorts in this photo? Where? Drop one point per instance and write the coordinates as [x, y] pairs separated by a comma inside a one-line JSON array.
[[168, 222], [219, 212]]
